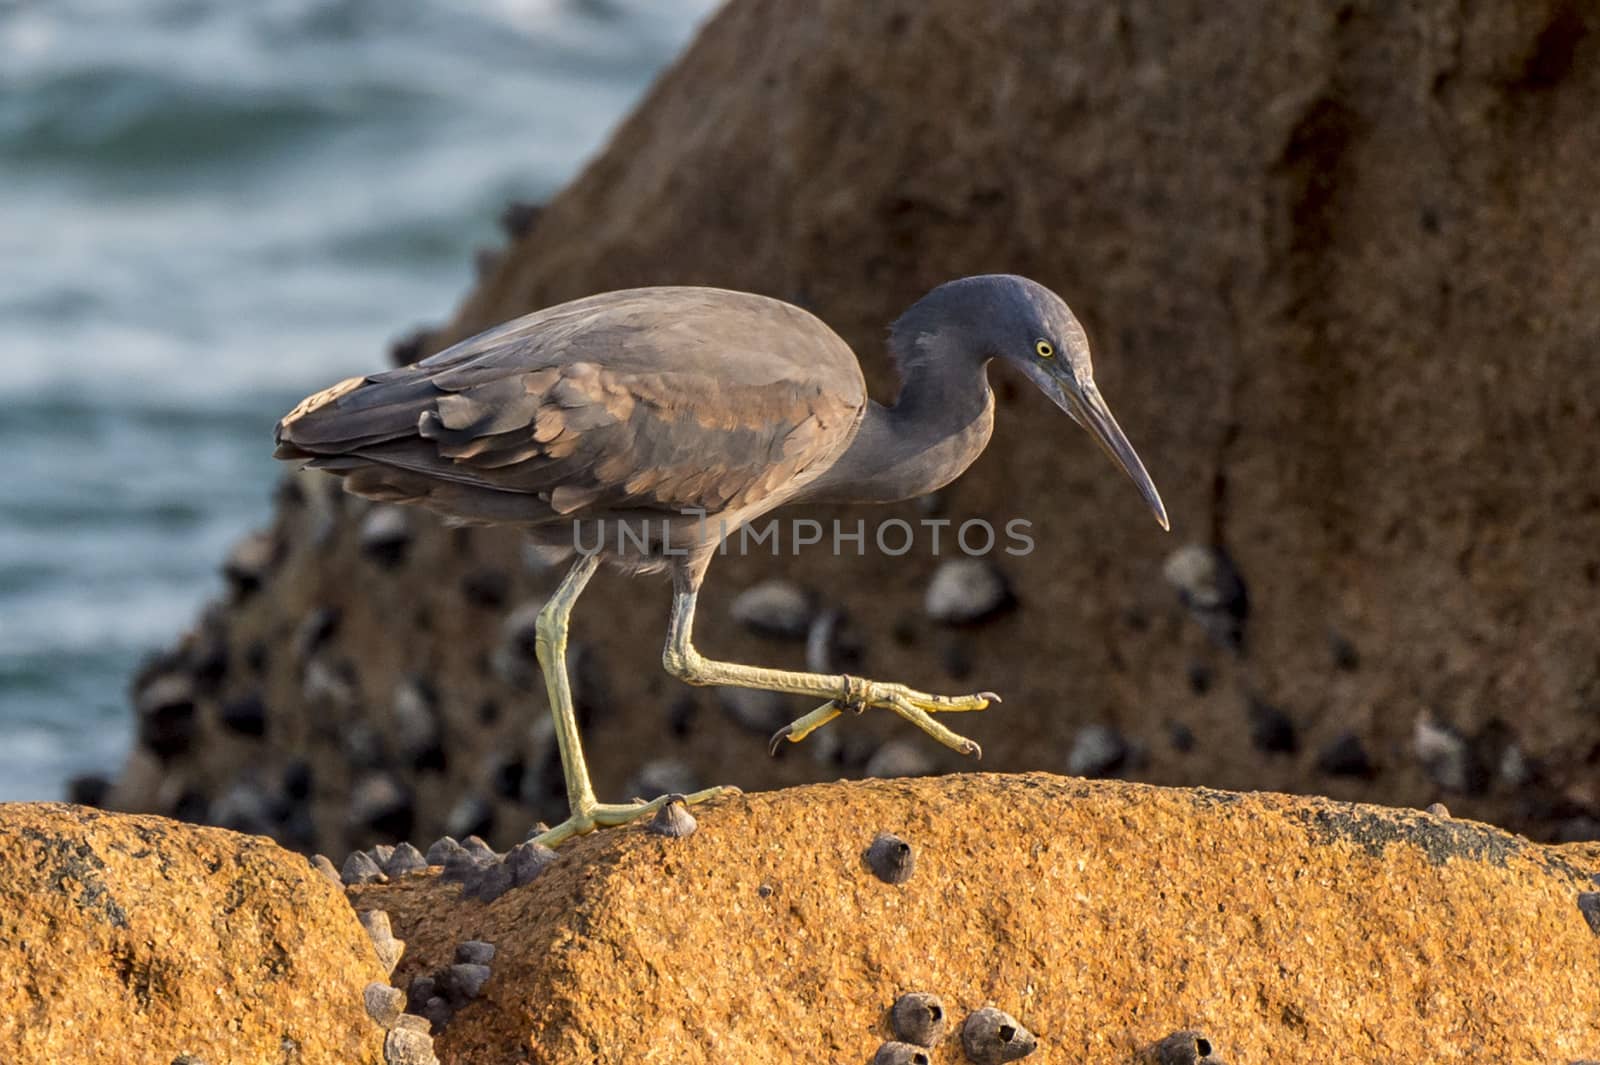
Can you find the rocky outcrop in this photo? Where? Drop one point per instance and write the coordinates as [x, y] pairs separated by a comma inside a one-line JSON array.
[[1338, 266], [141, 940], [1109, 920]]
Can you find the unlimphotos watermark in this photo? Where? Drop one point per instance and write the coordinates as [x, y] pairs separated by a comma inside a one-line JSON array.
[[974, 537]]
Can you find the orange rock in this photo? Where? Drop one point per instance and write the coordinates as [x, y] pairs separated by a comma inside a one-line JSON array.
[[138, 939], [1104, 917]]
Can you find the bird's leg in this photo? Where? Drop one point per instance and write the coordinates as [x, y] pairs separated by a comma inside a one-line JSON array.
[[842, 692], [551, 646]]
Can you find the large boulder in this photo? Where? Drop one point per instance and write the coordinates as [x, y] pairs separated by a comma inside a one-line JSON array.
[[1341, 268], [1103, 917], [138, 939]]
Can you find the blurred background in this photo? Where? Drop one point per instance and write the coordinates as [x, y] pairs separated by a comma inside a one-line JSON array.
[[207, 209], [1339, 263]]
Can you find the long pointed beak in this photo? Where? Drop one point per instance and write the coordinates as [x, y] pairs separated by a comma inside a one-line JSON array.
[[1092, 413], [1088, 408]]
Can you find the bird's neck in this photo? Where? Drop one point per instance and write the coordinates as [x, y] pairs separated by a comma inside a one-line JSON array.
[[938, 425]]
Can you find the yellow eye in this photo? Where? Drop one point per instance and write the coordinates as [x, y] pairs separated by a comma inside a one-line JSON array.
[[1044, 349]]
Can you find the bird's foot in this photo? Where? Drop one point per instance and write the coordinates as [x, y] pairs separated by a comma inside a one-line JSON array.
[[611, 814], [916, 707]]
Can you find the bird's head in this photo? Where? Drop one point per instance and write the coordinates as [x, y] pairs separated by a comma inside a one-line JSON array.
[[1025, 324]]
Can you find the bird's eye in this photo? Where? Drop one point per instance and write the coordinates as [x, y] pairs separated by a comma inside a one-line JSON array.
[[1044, 348]]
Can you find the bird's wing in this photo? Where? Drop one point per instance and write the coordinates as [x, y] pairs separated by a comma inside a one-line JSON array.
[[659, 399]]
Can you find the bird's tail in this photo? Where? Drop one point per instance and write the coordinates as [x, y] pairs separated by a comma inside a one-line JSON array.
[[356, 413]]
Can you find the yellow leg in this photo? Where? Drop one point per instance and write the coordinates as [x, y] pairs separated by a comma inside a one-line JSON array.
[[551, 645], [610, 815], [842, 692]]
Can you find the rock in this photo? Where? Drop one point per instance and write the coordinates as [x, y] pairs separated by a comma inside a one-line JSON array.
[[132, 938], [516, 655], [470, 816], [388, 948], [673, 821], [505, 773], [462, 982], [420, 990], [415, 720], [1271, 730], [1589, 906], [384, 1003], [891, 858], [518, 218], [478, 849], [1180, 735], [441, 850], [527, 860], [1211, 587], [405, 860], [315, 630], [1096, 751], [413, 346], [245, 807], [901, 758], [919, 1018], [1515, 769], [248, 564], [165, 709], [438, 1013], [774, 608], [88, 789], [1277, 881], [663, 776], [486, 588], [893, 1053], [245, 716], [1343, 653], [1447, 757], [487, 882], [403, 1046], [386, 535], [965, 591], [462, 867], [1345, 756], [1186, 1047], [832, 646], [297, 780], [1577, 829], [321, 864], [359, 868], [486, 261], [475, 952], [380, 805], [328, 684], [990, 1036], [759, 712]]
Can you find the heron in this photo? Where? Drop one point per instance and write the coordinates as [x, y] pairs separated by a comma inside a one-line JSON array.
[[676, 415]]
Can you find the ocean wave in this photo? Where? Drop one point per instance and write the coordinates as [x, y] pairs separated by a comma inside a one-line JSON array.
[[210, 209], [112, 120]]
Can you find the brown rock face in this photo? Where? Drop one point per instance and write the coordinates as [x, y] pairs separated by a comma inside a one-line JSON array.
[[1340, 266], [1103, 917], [138, 940]]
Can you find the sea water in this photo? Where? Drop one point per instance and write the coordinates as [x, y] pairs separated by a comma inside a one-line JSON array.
[[207, 210]]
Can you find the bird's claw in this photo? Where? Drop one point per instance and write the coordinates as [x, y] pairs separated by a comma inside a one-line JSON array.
[[916, 707]]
